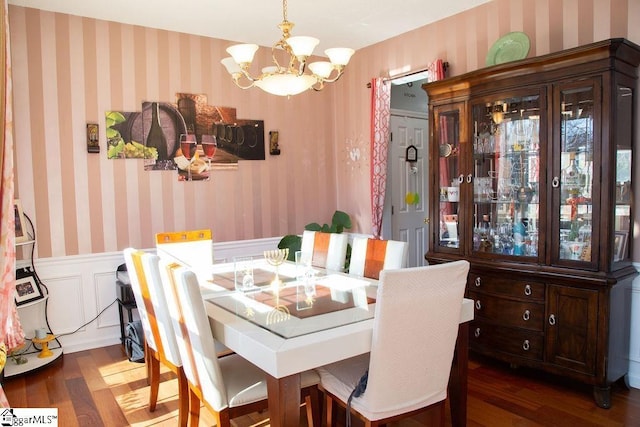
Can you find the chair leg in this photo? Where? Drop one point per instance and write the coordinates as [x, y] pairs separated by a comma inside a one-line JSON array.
[[154, 381], [314, 407], [147, 357], [443, 414], [328, 403], [307, 406], [223, 418], [194, 409], [183, 399]]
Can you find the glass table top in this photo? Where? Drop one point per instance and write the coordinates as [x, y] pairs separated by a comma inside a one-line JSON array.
[[294, 307]]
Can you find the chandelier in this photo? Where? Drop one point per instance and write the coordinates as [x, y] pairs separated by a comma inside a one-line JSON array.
[[292, 78]]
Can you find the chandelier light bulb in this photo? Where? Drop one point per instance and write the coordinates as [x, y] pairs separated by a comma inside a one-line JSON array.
[[302, 45], [242, 53], [321, 69], [231, 65], [339, 55]]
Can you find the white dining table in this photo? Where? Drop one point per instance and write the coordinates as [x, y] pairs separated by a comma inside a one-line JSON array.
[[256, 327]]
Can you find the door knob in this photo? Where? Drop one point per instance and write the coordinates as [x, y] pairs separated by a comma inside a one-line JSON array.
[[427, 221]]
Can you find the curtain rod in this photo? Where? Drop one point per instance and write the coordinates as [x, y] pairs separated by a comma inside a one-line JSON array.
[[445, 65]]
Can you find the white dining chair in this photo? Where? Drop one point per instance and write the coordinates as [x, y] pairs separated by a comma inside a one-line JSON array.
[[228, 386], [326, 250], [370, 256], [414, 335], [160, 341], [191, 248]]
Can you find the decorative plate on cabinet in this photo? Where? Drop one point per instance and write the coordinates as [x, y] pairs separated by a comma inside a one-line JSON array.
[[510, 47]]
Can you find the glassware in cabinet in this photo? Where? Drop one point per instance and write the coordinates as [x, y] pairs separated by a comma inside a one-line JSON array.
[[506, 176], [623, 167], [449, 175], [575, 116]]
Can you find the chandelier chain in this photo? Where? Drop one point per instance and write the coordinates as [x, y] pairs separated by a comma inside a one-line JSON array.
[[284, 10]]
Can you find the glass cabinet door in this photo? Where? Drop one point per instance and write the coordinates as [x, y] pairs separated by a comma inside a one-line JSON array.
[[575, 181], [506, 176], [623, 157], [448, 175]]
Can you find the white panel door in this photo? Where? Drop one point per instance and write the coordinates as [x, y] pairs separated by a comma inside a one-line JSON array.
[[405, 180]]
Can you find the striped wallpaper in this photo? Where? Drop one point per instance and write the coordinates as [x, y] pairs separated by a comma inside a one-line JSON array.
[[69, 70]]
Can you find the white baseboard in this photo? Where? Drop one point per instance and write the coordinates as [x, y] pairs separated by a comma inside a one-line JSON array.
[[633, 379]]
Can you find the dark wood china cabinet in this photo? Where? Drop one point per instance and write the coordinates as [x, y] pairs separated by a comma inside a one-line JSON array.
[[531, 177]]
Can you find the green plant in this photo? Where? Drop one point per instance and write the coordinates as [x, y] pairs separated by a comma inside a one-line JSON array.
[[339, 222]]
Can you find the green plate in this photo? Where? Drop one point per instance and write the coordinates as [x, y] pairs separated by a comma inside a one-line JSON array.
[[510, 47]]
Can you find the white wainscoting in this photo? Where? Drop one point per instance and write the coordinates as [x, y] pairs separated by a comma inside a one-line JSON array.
[[633, 375], [82, 286]]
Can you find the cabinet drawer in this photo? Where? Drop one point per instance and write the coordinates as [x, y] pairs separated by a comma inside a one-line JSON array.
[[507, 312], [506, 286], [489, 338]]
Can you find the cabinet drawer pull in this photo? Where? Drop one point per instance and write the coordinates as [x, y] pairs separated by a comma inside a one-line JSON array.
[[555, 183], [478, 305], [552, 319], [478, 281], [461, 179], [476, 333], [525, 345], [527, 290], [469, 178], [525, 315]]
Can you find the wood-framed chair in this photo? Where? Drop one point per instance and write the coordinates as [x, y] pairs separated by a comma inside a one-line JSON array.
[[414, 335], [160, 342], [228, 386], [370, 256], [326, 250]]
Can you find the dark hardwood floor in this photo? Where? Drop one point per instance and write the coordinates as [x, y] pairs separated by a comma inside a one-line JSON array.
[[101, 388]]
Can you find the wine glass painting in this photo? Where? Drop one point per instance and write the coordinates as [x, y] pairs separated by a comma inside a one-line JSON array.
[[209, 146], [153, 134], [191, 166]]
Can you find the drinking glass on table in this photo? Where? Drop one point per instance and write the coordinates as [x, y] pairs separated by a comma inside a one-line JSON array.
[[243, 277], [209, 145], [188, 146], [304, 269]]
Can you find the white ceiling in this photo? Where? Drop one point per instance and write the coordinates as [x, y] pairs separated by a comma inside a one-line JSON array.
[[337, 23]]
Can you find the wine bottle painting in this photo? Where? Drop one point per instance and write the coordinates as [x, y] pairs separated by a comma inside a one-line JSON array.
[[131, 135], [162, 126], [153, 134]]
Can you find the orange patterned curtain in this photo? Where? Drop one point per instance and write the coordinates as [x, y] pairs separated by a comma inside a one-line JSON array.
[[11, 334], [380, 118]]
